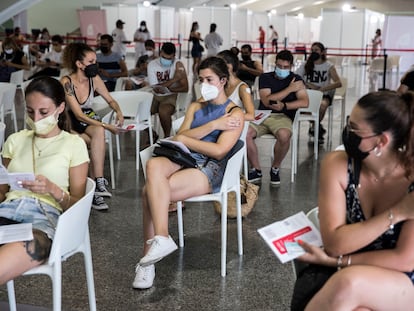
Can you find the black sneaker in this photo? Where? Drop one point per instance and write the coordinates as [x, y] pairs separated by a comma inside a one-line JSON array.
[[255, 176], [99, 203], [100, 189], [322, 131], [274, 176]]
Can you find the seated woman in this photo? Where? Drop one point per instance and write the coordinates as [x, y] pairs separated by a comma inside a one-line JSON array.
[[237, 90], [59, 161], [366, 214], [80, 87], [210, 130], [12, 59]]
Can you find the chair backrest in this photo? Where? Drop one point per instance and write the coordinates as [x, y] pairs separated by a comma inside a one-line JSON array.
[[341, 91], [183, 100], [7, 94], [176, 124], [2, 131], [72, 226], [395, 60], [231, 176], [16, 77], [313, 216], [315, 99], [377, 64]]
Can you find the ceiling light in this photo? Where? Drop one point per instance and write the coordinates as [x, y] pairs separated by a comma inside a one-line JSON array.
[[146, 3], [346, 7], [273, 11], [301, 16], [233, 6]]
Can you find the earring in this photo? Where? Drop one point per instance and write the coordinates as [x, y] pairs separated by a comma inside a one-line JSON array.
[[377, 152]]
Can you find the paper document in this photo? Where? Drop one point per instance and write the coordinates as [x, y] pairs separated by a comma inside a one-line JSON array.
[[261, 115], [281, 236], [14, 179], [176, 143], [17, 232], [137, 80], [160, 90]]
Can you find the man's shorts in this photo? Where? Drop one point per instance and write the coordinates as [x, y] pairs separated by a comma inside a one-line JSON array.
[[159, 101], [272, 124]]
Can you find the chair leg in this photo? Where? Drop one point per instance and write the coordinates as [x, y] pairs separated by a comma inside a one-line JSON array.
[[330, 126], [239, 223], [137, 146], [111, 160], [118, 148], [180, 224], [56, 277], [245, 165], [89, 272], [14, 118], [223, 233], [12, 297], [316, 139]]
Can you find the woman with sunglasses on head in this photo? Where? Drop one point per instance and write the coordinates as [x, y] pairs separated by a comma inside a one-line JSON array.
[[210, 130], [59, 162], [366, 213], [80, 86]]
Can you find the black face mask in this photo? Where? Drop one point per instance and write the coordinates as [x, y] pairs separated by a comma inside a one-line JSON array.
[[351, 143], [245, 57], [104, 49], [91, 70], [314, 56]]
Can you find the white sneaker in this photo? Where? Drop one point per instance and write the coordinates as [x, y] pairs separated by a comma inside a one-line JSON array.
[[161, 246], [144, 276]]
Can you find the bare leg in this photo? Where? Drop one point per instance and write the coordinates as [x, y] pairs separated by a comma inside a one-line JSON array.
[[281, 147], [165, 112], [97, 149], [252, 152], [364, 288]]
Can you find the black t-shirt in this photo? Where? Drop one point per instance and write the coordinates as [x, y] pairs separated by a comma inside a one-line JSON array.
[[269, 80]]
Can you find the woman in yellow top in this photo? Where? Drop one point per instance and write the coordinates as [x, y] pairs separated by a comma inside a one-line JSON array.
[[59, 161]]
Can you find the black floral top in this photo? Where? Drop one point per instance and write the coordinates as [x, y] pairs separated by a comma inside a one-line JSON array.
[[354, 214]]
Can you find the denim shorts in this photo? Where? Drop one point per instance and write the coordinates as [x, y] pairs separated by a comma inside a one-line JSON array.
[[43, 217], [213, 169]]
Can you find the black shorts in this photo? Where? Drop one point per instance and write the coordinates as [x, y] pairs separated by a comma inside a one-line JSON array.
[[79, 126]]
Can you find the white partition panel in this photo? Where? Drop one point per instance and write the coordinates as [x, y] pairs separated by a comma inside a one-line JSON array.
[[222, 17]]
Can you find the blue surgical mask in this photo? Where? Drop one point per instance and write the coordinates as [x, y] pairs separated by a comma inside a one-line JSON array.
[[165, 62], [282, 73]]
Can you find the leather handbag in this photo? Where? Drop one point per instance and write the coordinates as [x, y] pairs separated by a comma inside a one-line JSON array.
[[175, 154]]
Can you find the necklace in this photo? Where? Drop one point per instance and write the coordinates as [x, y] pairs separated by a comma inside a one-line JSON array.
[[39, 150], [386, 174]]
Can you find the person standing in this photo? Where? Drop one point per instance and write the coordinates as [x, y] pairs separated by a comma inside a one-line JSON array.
[[140, 36], [376, 43], [274, 36], [111, 64], [213, 41], [197, 49], [262, 35], [120, 39]]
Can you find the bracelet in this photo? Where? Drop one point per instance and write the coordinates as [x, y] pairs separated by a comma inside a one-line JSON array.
[[339, 263], [62, 198], [349, 261], [390, 218], [103, 125]]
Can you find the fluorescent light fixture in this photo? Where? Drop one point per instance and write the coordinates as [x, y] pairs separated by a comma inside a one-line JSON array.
[[146, 3], [233, 6], [318, 2], [296, 9], [346, 7], [273, 11]]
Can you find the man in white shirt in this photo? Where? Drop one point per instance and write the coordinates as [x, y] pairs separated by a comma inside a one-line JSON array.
[[213, 41], [120, 39], [167, 77]]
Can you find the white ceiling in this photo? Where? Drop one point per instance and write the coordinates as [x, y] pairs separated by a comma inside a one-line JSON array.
[[308, 7]]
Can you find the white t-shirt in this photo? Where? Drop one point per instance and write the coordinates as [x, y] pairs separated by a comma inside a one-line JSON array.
[[158, 73], [119, 37]]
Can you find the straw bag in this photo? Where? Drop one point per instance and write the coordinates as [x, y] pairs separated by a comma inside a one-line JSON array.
[[249, 194]]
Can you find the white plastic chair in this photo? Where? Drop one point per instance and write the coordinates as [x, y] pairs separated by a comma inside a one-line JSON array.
[[340, 95], [72, 236], [108, 139], [311, 113], [230, 183], [7, 106], [136, 109]]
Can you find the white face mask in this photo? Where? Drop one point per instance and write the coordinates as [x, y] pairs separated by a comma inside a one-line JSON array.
[[209, 91], [8, 51], [143, 28], [43, 126], [149, 53]]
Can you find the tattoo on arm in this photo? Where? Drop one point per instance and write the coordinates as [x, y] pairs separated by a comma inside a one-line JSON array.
[[68, 89]]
